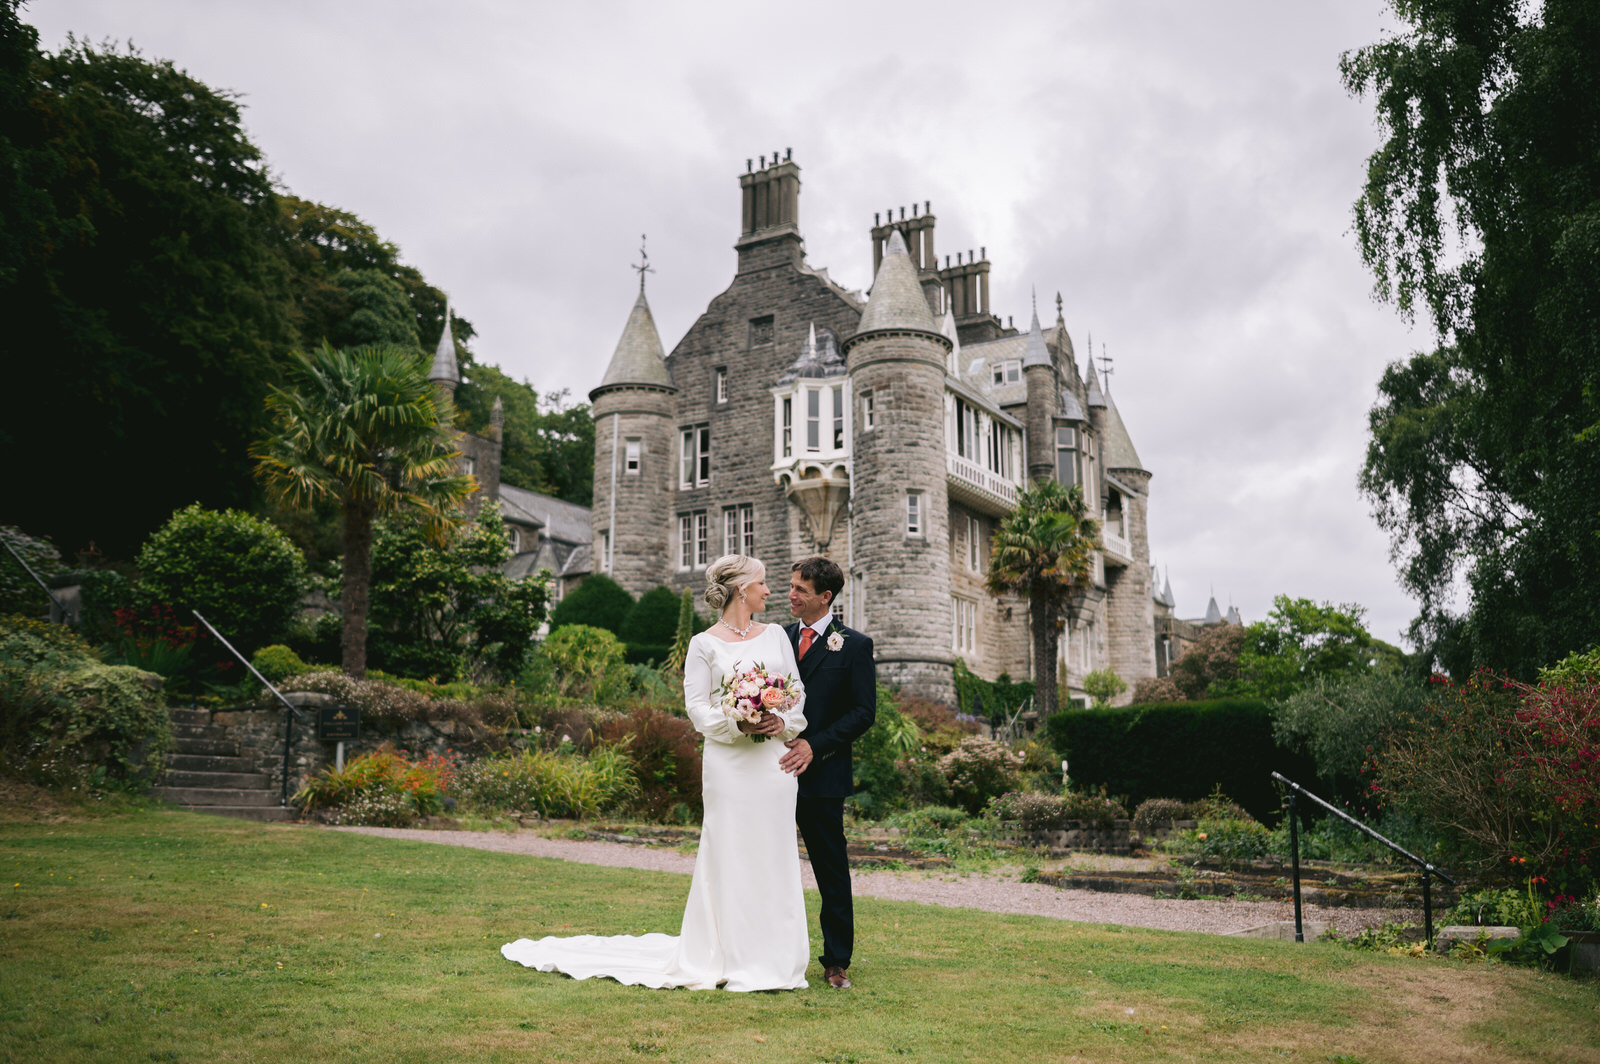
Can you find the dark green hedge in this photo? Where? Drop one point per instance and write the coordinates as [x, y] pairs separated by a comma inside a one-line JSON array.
[[1180, 750]]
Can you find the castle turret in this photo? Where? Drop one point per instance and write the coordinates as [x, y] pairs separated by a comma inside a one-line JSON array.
[[901, 505], [1039, 372], [1130, 606], [633, 415], [445, 373]]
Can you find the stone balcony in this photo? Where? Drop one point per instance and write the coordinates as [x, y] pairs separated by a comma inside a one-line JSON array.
[[1117, 550], [976, 487]]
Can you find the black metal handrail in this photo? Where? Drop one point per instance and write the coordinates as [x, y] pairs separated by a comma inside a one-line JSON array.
[[1428, 869], [294, 711], [65, 612]]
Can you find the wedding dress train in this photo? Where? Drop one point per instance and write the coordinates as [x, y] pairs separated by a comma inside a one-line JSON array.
[[744, 926]]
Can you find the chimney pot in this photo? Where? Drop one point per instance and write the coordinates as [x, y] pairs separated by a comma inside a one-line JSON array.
[[913, 210], [774, 156], [875, 219], [970, 256], [788, 153], [984, 252], [927, 206], [947, 262], [749, 165], [763, 162], [1010, 322], [902, 214]]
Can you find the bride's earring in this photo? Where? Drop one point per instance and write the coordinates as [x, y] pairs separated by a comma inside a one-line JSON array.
[[741, 598]]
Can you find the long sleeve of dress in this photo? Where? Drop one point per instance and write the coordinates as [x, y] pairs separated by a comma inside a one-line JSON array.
[[708, 719], [794, 721]]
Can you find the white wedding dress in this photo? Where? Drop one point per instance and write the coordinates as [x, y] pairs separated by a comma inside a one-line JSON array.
[[744, 926]]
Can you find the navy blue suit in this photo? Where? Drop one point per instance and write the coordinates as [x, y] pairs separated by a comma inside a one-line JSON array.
[[841, 704]]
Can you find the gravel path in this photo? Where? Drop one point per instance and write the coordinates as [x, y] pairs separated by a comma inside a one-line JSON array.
[[992, 892]]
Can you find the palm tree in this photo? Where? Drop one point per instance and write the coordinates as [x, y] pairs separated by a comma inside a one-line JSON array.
[[1045, 550], [363, 428]]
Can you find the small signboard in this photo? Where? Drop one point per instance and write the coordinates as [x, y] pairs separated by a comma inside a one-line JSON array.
[[338, 723]]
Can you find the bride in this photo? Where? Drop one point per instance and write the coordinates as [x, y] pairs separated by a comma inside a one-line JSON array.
[[744, 926]]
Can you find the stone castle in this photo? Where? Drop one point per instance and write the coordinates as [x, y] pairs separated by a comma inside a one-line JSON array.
[[891, 433]]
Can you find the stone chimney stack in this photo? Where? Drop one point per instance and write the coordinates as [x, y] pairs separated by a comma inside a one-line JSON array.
[[769, 218]]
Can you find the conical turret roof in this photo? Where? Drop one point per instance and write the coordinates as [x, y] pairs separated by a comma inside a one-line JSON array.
[[1035, 353], [444, 366], [1213, 615], [639, 358], [897, 301], [1091, 385], [1117, 451]]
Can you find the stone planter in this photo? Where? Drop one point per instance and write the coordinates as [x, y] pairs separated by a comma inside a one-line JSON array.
[[1585, 947], [1078, 835]]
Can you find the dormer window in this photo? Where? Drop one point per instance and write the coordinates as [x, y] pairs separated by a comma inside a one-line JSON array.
[[1008, 372]]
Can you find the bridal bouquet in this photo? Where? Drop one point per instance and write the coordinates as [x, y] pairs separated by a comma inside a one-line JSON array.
[[744, 695]]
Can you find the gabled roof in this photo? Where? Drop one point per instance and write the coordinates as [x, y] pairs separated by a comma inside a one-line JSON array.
[[639, 358], [897, 301], [444, 366], [564, 521]]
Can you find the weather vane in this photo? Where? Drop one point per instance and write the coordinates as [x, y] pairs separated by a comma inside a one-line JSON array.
[[1105, 364], [644, 266]]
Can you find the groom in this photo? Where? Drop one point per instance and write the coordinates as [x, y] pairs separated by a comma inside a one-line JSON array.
[[841, 684]]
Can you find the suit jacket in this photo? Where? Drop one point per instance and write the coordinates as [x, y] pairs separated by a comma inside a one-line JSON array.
[[841, 704]]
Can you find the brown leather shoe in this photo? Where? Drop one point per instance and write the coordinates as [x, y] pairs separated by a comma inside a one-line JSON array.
[[836, 978]]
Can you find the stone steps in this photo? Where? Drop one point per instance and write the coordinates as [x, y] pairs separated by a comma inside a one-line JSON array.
[[207, 773]]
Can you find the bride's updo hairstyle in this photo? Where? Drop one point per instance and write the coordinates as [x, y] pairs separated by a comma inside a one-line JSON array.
[[727, 575]]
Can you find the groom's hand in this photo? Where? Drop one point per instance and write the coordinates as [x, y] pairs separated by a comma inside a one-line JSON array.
[[798, 759]]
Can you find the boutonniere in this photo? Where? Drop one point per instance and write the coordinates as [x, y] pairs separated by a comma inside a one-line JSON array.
[[835, 638]]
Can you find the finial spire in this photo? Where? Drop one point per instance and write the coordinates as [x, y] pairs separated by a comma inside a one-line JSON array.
[[644, 266], [1106, 366]]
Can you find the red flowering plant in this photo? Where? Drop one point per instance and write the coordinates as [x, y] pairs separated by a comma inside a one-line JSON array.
[[1507, 770], [384, 787]]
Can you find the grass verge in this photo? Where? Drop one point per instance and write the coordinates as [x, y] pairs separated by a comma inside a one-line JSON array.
[[167, 936]]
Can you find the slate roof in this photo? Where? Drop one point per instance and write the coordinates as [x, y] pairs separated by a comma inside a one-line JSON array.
[[1117, 449], [897, 301], [816, 360], [564, 521], [444, 366], [639, 358]]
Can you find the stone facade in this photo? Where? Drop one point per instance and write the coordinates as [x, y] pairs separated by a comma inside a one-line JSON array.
[[891, 433]]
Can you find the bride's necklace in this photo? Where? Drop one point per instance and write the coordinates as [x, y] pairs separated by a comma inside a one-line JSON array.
[[740, 632]]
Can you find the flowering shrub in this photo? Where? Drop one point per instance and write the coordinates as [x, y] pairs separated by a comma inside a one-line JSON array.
[[1054, 811], [1509, 771], [549, 783], [387, 703], [389, 786], [666, 758], [1223, 840], [69, 721], [1158, 812], [979, 769]]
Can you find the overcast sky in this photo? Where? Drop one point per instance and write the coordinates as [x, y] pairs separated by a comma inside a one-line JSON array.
[[1182, 173]]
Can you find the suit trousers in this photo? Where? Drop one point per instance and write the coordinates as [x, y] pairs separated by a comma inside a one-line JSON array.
[[821, 823]]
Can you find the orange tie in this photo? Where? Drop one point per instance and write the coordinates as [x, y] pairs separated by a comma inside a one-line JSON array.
[[807, 637]]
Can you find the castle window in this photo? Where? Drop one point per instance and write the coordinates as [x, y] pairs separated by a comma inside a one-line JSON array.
[[693, 533], [813, 419], [631, 462], [974, 544], [760, 331], [515, 535], [1000, 450], [964, 614], [914, 517], [747, 530], [788, 427], [838, 419], [469, 464], [1068, 465], [605, 551], [1008, 372], [967, 440], [868, 412], [695, 457], [730, 531], [722, 384]]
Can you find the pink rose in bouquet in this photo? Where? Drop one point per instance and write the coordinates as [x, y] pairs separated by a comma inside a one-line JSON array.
[[747, 694]]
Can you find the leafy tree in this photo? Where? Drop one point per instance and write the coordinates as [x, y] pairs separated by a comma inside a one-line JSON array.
[[241, 572], [1344, 721], [599, 602], [445, 607], [1482, 207], [141, 285], [1103, 685], [1299, 641], [378, 312], [1210, 667], [653, 619], [361, 428], [548, 445], [1044, 550]]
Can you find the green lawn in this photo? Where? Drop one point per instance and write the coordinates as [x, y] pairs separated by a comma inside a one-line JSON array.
[[160, 935]]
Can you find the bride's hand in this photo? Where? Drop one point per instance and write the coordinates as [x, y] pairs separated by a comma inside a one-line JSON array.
[[767, 724]]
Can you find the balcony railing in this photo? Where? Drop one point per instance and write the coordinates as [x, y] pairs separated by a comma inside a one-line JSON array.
[[972, 484], [1118, 550]]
